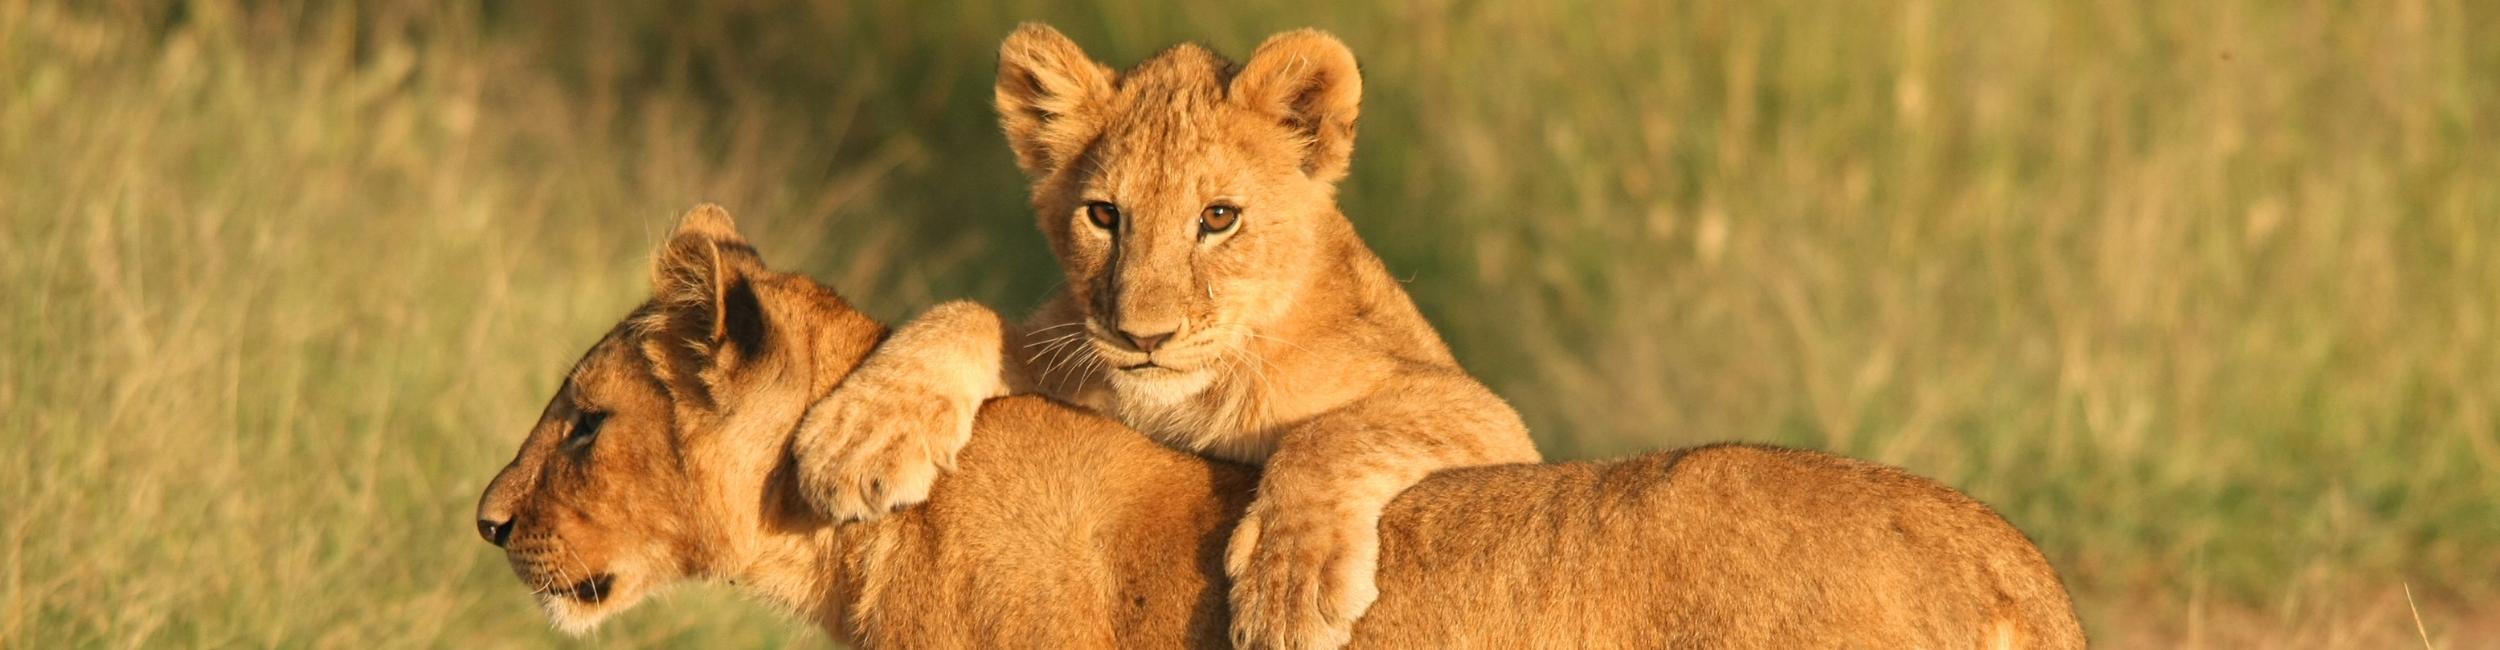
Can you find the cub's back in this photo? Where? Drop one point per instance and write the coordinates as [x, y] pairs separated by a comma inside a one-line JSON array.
[[1714, 546], [1084, 530], [1721, 545]]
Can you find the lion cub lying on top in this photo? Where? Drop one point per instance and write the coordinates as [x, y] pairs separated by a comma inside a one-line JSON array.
[[665, 456], [1216, 300]]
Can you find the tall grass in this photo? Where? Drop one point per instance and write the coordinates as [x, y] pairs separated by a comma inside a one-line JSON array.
[[2205, 296]]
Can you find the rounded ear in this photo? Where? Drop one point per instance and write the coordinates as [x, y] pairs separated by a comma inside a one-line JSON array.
[[1049, 97], [704, 253], [1308, 81], [704, 313]]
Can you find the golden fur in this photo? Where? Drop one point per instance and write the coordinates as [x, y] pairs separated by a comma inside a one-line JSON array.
[[1216, 300], [1061, 528]]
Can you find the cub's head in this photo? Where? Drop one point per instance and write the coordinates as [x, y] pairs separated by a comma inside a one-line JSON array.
[[1189, 200], [660, 458]]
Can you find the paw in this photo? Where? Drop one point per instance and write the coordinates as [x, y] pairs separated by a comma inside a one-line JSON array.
[[878, 442], [1301, 578]]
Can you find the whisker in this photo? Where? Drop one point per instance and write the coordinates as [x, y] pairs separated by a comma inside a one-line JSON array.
[[1062, 355], [1048, 341], [1093, 365], [1065, 338], [1056, 349], [1057, 354], [577, 562], [1046, 348], [1053, 327]]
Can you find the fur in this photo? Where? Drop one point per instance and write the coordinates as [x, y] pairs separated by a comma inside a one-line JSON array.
[[1063, 528], [1284, 341]]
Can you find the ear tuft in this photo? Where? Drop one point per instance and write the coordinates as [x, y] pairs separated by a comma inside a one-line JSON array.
[[704, 311], [702, 252], [1049, 97], [709, 220], [1308, 81]]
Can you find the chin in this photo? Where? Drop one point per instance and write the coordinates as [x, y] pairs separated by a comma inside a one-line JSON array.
[[1159, 385], [577, 616]]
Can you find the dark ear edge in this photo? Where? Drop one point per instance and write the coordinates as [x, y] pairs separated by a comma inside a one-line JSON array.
[[704, 316], [1308, 81], [1048, 93]]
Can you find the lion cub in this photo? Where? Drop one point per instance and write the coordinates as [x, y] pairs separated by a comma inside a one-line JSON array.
[[663, 457], [1216, 299]]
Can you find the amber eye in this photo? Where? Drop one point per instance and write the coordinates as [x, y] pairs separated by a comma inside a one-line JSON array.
[[1104, 215], [1218, 218]]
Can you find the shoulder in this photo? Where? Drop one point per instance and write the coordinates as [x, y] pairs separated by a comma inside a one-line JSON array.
[[1044, 430], [1774, 473]]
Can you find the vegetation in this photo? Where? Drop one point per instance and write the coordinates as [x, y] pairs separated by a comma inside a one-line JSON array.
[[2204, 295]]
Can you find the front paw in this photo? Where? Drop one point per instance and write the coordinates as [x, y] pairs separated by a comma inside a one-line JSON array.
[[878, 442], [1301, 578]]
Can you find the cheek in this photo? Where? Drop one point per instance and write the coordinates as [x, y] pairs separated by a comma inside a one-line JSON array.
[[641, 522], [623, 491], [1234, 272], [1258, 270], [1087, 266], [1089, 251], [561, 533]]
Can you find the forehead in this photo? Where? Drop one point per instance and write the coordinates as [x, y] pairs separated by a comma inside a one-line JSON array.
[[613, 366], [1163, 111], [1172, 110]]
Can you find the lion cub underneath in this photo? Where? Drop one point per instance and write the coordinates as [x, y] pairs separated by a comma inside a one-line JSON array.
[[1216, 299]]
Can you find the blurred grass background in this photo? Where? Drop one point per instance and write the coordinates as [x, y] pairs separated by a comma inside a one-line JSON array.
[[2205, 296]]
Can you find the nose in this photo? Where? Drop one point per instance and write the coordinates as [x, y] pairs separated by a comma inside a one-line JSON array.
[[496, 532], [1146, 342]]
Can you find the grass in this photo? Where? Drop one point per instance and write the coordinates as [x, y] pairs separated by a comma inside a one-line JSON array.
[[2205, 296]]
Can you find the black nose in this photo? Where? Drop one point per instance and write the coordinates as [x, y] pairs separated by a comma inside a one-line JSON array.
[[495, 532], [1146, 342]]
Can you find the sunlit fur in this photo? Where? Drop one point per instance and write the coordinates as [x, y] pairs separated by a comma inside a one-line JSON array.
[[1290, 344], [1255, 309], [1062, 528], [668, 486]]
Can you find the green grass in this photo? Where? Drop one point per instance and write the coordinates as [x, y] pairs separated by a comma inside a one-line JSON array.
[[2205, 296]]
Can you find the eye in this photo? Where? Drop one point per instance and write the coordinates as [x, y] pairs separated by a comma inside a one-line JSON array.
[[1104, 215], [585, 427], [1218, 218]]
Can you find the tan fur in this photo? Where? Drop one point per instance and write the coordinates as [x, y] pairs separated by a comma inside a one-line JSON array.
[[1290, 345], [1061, 528]]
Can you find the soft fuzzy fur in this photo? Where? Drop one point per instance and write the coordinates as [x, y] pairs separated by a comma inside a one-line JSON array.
[[1062, 528], [1289, 345]]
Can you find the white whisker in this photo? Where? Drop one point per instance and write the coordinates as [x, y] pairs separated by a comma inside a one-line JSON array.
[[1061, 355], [1056, 339], [1053, 327]]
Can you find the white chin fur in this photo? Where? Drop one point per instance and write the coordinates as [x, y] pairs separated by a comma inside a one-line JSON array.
[[1158, 387], [568, 617], [576, 619]]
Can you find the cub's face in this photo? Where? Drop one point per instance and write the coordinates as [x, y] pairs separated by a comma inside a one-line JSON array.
[[1187, 201], [1183, 232], [660, 457], [598, 509]]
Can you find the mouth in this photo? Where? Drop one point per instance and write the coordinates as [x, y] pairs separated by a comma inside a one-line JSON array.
[[1130, 361], [575, 607], [1174, 359], [592, 590], [578, 608]]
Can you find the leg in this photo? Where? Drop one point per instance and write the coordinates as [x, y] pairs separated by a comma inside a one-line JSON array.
[[1304, 558], [879, 440]]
